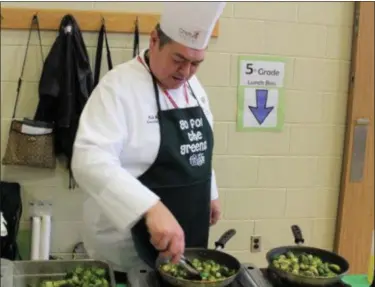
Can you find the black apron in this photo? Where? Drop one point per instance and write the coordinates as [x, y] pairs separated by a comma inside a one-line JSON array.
[[180, 176]]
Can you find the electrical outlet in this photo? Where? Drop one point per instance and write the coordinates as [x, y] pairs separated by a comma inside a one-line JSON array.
[[256, 243]]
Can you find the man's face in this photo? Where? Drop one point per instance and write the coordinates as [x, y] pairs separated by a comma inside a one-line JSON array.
[[173, 64]]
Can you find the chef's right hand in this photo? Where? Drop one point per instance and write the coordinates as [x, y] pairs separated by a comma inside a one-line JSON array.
[[166, 233]]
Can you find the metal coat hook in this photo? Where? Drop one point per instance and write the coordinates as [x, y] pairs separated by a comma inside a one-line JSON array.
[[35, 18]]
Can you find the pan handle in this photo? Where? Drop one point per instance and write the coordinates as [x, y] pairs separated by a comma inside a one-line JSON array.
[[223, 240], [297, 233]]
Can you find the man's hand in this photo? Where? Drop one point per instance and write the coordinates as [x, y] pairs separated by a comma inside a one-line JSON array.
[[215, 211], [167, 235]]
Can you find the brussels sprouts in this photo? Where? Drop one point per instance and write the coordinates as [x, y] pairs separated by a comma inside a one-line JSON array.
[[305, 264]]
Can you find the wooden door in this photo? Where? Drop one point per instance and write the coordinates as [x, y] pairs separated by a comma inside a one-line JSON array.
[[356, 205]]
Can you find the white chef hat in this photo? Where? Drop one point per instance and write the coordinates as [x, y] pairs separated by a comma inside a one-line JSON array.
[[190, 23]]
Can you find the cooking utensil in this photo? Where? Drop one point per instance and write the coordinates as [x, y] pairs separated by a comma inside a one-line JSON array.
[[205, 254], [189, 267], [325, 255]]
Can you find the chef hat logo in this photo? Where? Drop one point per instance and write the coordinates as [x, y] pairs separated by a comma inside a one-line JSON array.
[[193, 36]]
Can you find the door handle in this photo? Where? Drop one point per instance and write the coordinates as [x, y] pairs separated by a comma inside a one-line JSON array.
[[359, 149]]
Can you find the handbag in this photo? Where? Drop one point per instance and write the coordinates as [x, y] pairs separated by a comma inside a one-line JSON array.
[[30, 142]]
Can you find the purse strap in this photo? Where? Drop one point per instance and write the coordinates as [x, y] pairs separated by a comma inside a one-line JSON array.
[[99, 51], [34, 21]]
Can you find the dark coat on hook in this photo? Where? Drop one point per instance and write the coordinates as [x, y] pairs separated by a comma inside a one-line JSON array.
[[65, 85]]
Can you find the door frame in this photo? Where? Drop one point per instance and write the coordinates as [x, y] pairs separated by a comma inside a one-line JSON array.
[[355, 218]]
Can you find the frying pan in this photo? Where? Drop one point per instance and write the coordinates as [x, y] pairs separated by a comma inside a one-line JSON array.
[[205, 254], [325, 255]]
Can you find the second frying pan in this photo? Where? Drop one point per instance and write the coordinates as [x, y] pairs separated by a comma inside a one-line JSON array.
[[321, 253]]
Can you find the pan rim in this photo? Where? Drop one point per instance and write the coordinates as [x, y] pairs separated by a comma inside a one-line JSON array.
[[216, 251], [268, 254], [306, 277], [197, 281]]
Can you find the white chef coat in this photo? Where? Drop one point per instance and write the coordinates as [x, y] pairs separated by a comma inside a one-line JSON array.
[[117, 140]]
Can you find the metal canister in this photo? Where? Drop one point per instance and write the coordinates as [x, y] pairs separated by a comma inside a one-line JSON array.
[[7, 267]]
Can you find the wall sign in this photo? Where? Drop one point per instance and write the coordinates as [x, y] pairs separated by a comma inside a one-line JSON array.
[[260, 93]]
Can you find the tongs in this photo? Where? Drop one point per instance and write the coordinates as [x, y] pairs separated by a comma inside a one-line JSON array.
[[193, 273]]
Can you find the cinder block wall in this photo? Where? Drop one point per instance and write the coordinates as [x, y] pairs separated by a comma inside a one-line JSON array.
[[267, 181]]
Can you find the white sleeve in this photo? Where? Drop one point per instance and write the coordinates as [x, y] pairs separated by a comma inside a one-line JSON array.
[[214, 189], [96, 165]]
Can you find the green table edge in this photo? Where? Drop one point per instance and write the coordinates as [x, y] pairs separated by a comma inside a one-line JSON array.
[[356, 280]]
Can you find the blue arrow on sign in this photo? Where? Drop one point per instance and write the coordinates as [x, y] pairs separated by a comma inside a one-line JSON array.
[[261, 111]]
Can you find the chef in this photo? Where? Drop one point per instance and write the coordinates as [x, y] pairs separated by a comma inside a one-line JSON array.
[[143, 150]]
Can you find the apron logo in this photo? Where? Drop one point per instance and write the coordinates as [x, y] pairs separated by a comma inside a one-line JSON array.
[[197, 159], [197, 144]]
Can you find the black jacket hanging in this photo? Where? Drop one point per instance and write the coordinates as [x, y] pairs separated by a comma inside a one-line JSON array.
[[136, 39], [99, 52], [65, 85]]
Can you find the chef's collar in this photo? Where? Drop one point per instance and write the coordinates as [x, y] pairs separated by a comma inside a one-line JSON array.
[[143, 57]]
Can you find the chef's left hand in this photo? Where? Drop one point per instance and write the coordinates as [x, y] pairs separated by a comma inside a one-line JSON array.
[[215, 211]]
